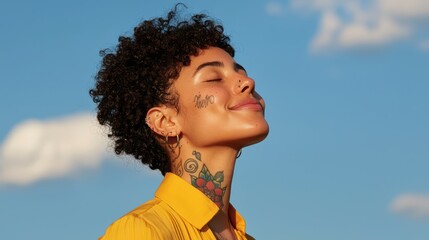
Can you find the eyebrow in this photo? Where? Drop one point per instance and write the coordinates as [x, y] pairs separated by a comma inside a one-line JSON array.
[[237, 66]]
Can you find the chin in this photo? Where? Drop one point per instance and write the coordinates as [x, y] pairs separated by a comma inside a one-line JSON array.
[[252, 137], [257, 139]]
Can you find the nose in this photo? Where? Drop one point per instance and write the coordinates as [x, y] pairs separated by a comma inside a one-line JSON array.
[[245, 84]]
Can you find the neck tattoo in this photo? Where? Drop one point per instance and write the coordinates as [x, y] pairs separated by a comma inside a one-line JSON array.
[[209, 184]]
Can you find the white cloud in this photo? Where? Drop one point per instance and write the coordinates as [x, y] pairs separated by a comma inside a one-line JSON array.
[[410, 9], [36, 150], [382, 31], [274, 9], [412, 205], [360, 23], [328, 29]]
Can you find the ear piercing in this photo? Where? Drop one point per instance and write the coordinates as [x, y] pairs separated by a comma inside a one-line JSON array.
[[147, 120], [176, 145], [238, 154]]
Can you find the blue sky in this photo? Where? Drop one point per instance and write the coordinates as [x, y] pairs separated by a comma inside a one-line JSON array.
[[346, 85]]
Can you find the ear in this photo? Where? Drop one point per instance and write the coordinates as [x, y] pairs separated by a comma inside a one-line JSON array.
[[163, 121]]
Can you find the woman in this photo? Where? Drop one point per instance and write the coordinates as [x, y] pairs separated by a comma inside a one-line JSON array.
[[176, 100]]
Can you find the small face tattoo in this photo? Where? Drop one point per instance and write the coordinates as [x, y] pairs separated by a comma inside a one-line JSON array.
[[201, 102]]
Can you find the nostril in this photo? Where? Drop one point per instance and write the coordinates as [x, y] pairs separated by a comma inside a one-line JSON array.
[[245, 88]]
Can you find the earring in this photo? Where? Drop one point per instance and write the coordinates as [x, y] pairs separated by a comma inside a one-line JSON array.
[[177, 145], [238, 154], [177, 142], [147, 120]]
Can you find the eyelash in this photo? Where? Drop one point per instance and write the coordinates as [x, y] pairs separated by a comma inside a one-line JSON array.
[[214, 80]]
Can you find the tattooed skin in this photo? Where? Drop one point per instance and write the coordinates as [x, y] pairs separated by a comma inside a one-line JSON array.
[[209, 184], [203, 102], [191, 165], [179, 169]]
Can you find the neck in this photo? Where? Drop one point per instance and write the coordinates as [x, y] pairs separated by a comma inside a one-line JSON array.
[[209, 170]]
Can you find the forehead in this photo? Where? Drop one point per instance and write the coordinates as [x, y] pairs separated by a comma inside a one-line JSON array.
[[211, 54]]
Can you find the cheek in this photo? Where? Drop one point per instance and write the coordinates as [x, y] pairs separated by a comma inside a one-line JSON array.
[[202, 101], [212, 98], [221, 95]]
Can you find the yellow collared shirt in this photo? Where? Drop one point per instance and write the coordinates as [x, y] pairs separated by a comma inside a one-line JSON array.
[[178, 211]]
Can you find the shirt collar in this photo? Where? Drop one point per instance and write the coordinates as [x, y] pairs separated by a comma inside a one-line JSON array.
[[192, 204]]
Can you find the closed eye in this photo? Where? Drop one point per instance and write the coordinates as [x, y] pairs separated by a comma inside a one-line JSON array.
[[214, 80]]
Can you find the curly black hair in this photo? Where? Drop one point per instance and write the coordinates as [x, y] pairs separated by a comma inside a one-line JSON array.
[[138, 73]]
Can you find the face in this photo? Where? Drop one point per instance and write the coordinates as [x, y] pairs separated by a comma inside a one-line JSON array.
[[218, 104]]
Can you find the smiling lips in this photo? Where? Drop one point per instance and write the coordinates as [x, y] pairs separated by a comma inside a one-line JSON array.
[[251, 104]]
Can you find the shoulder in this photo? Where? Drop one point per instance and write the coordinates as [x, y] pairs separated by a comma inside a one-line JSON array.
[[137, 224]]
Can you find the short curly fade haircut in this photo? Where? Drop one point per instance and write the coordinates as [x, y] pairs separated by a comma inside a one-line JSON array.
[[138, 74]]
